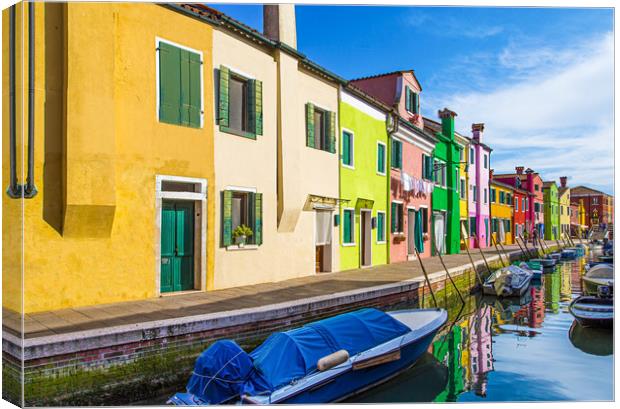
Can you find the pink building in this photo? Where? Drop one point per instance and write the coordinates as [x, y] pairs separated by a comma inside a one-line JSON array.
[[479, 192], [410, 155], [480, 349]]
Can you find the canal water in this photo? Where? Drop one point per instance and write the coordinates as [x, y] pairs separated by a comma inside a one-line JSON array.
[[527, 349]]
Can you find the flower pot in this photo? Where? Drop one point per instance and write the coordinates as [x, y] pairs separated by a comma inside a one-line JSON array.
[[240, 241]]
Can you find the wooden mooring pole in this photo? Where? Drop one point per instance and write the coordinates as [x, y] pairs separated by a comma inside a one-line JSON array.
[[428, 282], [481, 252], [501, 260], [450, 277], [520, 247], [471, 260]]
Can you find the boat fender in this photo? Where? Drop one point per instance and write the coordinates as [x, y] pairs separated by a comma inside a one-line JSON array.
[[331, 360]]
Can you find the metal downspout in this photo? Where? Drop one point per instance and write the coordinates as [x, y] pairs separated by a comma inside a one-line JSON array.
[[14, 190], [30, 190]]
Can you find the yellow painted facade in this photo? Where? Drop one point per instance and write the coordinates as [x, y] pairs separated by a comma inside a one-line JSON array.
[[91, 233], [564, 200], [501, 212], [463, 183]]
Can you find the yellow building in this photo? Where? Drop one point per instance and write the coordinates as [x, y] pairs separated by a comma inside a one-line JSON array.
[[501, 212], [564, 204], [119, 155], [463, 182]]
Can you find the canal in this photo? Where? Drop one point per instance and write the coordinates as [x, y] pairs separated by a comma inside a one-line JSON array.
[[527, 349]]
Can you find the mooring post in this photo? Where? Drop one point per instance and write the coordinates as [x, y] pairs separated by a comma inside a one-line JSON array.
[[528, 250], [505, 252], [471, 260], [497, 249], [520, 247], [430, 287], [450, 277], [481, 252]]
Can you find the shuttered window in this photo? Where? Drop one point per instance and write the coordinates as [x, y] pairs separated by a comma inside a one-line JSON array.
[[320, 128], [347, 226], [472, 226], [397, 154], [180, 86], [240, 107], [242, 208], [380, 227], [347, 148], [412, 101], [381, 158], [397, 217], [427, 167]]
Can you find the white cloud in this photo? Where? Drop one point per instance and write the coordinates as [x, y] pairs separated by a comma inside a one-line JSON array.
[[450, 26], [553, 114]]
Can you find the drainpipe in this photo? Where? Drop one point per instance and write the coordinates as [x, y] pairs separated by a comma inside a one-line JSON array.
[[30, 190], [15, 189]]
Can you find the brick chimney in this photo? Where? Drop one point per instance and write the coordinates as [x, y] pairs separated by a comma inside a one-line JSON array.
[[279, 23], [563, 180], [447, 122], [477, 130], [519, 169], [491, 173]]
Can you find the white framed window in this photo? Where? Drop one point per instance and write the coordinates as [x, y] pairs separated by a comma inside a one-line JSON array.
[[381, 157], [348, 149], [348, 226], [381, 220], [463, 191]]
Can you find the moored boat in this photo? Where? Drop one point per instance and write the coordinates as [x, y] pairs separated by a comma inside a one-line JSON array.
[[545, 262], [324, 361], [568, 254], [600, 275], [592, 311], [511, 281], [534, 267]]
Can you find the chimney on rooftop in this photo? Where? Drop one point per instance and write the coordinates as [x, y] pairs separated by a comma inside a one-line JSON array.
[[477, 130], [447, 122], [519, 169], [491, 174], [279, 23], [563, 180]]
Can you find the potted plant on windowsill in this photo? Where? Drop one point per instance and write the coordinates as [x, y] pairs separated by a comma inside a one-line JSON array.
[[241, 234]]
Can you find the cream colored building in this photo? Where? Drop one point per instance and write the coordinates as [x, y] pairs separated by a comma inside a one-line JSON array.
[[270, 179]]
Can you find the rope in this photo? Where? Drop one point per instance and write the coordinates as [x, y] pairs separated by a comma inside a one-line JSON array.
[[220, 370]]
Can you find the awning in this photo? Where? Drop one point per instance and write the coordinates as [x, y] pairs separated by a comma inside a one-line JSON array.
[[364, 203], [314, 202]]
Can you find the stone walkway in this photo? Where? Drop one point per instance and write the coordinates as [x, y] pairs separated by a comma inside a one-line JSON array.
[[195, 303]]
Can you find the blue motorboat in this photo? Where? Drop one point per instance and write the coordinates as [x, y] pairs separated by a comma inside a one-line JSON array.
[[568, 254], [324, 361]]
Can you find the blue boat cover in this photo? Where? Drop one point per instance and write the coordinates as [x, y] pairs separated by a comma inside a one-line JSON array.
[[290, 355]]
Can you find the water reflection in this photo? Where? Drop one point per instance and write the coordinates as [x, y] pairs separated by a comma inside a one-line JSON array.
[[519, 349]]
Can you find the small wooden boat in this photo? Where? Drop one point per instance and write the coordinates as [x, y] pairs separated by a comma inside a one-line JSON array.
[[606, 259], [534, 267], [591, 340], [511, 281], [600, 275], [324, 361], [545, 262], [593, 311]]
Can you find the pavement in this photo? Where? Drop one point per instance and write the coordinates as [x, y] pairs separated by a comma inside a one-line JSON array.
[[65, 321]]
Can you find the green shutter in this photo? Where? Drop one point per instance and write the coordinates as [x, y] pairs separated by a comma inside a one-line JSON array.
[[310, 125], [227, 218], [417, 102], [258, 219], [380, 158], [251, 106], [331, 131], [346, 226], [346, 144], [380, 227], [400, 155], [408, 99], [223, 103], [258, 94], [195, 93], [393, 217], [169, 83]]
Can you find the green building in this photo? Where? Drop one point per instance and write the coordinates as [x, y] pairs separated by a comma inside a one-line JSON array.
[[364, 181], [551, 210], [446, 203]]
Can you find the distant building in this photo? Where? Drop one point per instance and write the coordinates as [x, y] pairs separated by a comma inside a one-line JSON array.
[[564, 203], [598, 206]]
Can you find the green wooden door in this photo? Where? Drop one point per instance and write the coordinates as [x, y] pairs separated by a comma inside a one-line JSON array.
[[177, 246]]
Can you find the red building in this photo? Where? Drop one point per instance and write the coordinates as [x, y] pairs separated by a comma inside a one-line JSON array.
[[598, 206], [530, 182]]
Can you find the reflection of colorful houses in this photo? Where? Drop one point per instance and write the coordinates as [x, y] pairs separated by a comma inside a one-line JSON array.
[[551, 283], [536, 307], [449, 351], [566, 289], [480, 349]]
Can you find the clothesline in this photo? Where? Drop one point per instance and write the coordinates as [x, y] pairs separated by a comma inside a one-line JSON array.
[[415, 185]]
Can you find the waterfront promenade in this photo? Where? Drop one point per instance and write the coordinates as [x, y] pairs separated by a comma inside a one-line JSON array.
[[358, 281]]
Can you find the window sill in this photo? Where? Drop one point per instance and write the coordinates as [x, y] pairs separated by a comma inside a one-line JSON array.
[[381, 242], [246, 247], [348, 244], [162, 121], [244, 134], [380, 174], [348, 166], [320, 150]]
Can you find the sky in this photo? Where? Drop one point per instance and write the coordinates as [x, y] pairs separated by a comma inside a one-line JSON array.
[[540, 79]]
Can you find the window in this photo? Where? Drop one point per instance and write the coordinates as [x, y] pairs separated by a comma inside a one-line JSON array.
[[595, 200], [508, 198], [493, 194], [486, 161], [507, 225], [424, 211], [412, 101], [502, 196], [561, 210], [463, 190], [440, 173], [427, 167], [240, 110], [472, 226], [397, 217], [474, 197], [380, 227], [242, 208], [537, 207], [493, 225], [461, 154], [485, 195], [179, 85], [516, 204], [320, 128], [348, 226], [381, 158], [397, 154], [471, 156], [536, 187], [458, 177], [526, 202], [347, 149]]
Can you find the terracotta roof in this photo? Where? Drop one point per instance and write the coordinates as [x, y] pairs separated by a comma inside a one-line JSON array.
[[549, 183], [382, 75], [584, 190]]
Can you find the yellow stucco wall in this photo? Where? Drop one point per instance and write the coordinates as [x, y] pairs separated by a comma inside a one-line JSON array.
[[502, 211], [90, 233], [564, 200]]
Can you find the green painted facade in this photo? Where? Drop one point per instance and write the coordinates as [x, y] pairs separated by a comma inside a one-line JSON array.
[[552, 212], [446, 199], [363, 185]]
